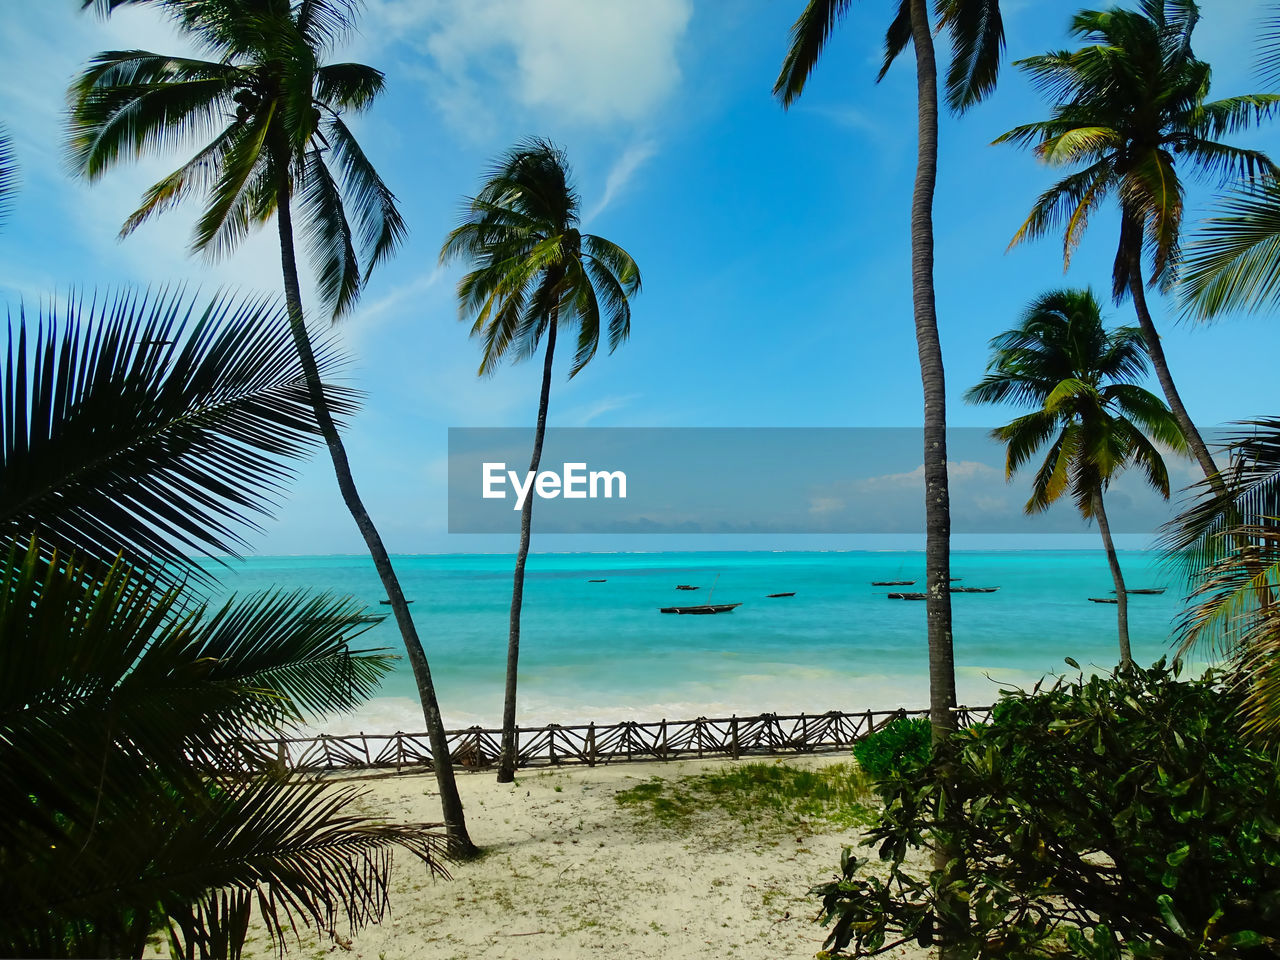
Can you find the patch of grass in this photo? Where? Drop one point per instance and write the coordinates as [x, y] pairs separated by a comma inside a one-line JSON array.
[[759, 794]]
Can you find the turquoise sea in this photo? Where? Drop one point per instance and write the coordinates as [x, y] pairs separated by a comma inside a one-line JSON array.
[[602, 651]]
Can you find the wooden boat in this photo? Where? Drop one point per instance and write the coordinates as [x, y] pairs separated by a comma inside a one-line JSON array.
[[1146, 591], [686, 586], [908, 596], [1103, 600], [703, 608], [892, 583], [597, 581], [955, 579], [387, 603], [974, 589], [770, 596]]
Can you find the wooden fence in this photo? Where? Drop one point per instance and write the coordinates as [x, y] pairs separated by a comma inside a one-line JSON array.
[[767, 734]]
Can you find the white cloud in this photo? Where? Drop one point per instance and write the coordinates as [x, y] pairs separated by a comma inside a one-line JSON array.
[[957, 471], [578, 60], [631, 160], [583, 415]]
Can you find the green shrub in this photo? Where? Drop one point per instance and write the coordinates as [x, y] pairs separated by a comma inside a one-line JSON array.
[[1110, 817], [899, 748]]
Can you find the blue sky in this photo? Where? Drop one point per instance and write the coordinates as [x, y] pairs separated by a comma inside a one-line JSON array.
[[774, 245]]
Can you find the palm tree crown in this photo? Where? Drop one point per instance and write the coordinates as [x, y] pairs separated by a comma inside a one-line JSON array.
[[533, 266], [1063, 361], [975, 28], [269, 114], [1127, 104]]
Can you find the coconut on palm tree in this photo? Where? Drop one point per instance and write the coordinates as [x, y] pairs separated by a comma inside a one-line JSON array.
[[533, 273], [1131, 113], [1091, 419], [270, 115]]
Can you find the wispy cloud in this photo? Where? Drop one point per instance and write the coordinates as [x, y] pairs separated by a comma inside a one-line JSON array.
[[582, 61], [620, 175], [583, 415]]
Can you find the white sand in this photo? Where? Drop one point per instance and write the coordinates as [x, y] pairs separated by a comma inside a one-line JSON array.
[[569, 873]]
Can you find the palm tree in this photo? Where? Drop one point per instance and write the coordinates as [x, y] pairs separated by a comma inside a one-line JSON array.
[[1230, 549], [273, 114], [130, 428], [976, 31], [1128, 104], [1096, 422], [533, 272]]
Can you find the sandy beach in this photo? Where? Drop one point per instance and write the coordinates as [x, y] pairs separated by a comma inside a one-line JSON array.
[[569, 872]]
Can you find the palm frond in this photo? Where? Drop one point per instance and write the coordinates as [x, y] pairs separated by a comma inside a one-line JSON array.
[[151, 426], [809, 36], [129, 102], [328, 235], [976, 28], [244, 193], [8, 174], [373, 205], [1233, 261], [197, 175], [348, 86]]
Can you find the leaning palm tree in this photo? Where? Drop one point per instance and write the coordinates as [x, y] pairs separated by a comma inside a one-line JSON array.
[[976, 31], [135, 434], [1094, 420], [276, 144], [1128, 105], [535, 272]]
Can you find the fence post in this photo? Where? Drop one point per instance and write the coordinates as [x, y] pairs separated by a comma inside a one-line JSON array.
[[591, 744], [733, 737], [551, 742], [399, 750], [663, 735]]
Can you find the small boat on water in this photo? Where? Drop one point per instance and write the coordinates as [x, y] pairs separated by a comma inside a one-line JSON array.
[[956, 579], [892, 583], [908, 596], [771, 596], [1146, 591], [597, 581], [686, 586], [1103, 600], [387, 603], [703, 608], [974, 589]]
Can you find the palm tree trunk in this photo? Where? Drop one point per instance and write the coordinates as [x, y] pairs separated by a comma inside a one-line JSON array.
[[507, 760], [1133, 253], [1122, 598], [942, 675], [442, 760]]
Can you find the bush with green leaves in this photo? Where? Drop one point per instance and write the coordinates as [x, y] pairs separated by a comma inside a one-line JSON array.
[[900, 747], [137, 432], [1105, 817]]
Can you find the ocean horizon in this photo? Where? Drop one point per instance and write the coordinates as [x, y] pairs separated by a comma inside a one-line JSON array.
[[603, 652]]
